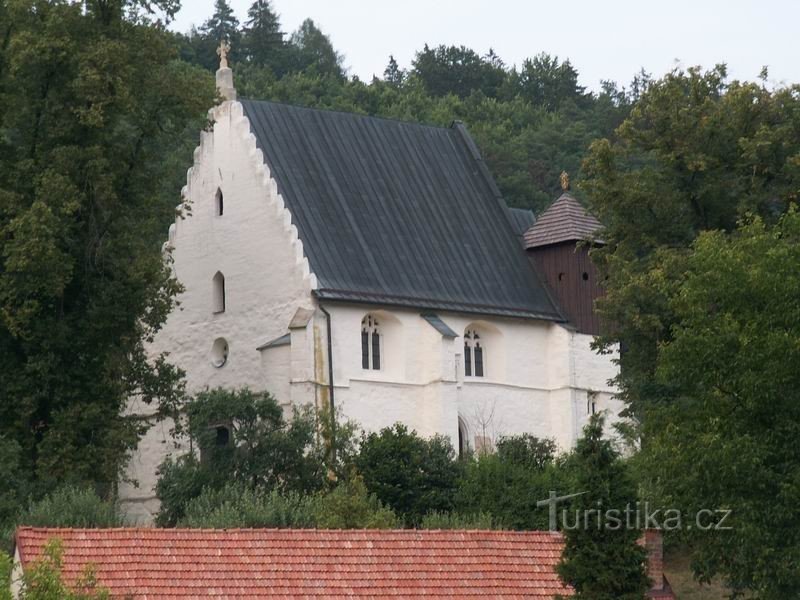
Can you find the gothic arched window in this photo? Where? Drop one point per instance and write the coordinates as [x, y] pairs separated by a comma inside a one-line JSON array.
[[473, 354], [218, 284], [370, 343]]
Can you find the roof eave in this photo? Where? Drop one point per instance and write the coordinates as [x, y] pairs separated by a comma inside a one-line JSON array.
[[423, 304]]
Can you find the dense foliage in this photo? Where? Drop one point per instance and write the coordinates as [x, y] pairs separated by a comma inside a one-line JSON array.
[[696, 154], [726, 437], [259, 449], [509, 489], [411, 474], [602, 559], [346, 506], [705, 310], [71, 506], [531, 122], [43, 580], [94, 106], [277, 473]]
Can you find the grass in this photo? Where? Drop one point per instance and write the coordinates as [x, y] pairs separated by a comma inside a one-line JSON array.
[[679, 574]]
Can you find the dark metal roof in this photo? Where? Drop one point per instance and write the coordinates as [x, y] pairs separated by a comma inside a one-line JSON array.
[[284, 340], [439, 325], [522, 219], [397, 213], [565, 220]]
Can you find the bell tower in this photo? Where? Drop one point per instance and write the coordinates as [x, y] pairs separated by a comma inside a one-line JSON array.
[[554, 244]]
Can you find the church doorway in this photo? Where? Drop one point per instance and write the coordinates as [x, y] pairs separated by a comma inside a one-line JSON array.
[[463, 438]]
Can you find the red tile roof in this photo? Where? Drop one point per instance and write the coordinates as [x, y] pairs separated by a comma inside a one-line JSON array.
[[308, 563], [565, 220]]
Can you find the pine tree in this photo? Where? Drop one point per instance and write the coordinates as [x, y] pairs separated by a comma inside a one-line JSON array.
[[602, 559], [393, 74], [263, 39], [223, 24]]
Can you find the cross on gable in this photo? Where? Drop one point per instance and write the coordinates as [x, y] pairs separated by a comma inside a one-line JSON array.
[[222, 51]]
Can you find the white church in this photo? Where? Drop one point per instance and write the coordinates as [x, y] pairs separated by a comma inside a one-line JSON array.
[[372, 264]]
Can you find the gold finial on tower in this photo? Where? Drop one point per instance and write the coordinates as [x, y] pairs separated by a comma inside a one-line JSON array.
[[222, 51], [564, 181]]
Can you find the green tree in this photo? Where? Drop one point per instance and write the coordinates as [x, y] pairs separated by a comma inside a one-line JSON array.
[[546, 82], [453, 520], [43, 580], [508, 484], [71, 506], [312, 50], [262, 38], [458, 70], [238, 505], [199, 46], [350, 506], [242, 437], [602, 559], [92, 106], [393, 74], [724, 437], [411, 475], [6, 569], [223, 24], [696, 153]]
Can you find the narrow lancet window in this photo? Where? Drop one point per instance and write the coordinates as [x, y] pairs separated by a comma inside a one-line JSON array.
[[218, 284], [473, 354], [370, 343], [219, 203]]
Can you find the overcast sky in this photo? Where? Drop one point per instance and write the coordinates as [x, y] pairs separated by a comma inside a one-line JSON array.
[[609, 39]]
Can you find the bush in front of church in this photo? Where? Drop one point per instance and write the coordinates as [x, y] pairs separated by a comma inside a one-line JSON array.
[[412, 475], [241, 437]]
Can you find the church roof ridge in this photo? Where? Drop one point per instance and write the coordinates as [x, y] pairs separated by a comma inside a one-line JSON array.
[[339, 111]]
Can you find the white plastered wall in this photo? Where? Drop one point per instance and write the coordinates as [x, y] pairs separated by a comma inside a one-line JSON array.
[[538, 376], [267, 277]]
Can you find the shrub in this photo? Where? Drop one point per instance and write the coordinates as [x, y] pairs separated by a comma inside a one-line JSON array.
[[238, 506], [72, 506], [350, 506], [6, 567], [412, 475], [43, 581], [508, 491], [179, 481], [526, 450], [260, 449]]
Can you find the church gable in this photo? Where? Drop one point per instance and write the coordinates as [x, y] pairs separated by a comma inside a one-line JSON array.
[[237, 255], [397, 213]]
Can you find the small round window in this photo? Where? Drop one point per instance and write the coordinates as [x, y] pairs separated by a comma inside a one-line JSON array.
[[219, 352]]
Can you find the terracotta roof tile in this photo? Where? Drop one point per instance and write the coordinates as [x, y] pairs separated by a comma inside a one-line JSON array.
[[565, 220], [303, 563]]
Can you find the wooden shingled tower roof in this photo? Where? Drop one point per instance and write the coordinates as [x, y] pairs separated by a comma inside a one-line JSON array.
[[565, 220]]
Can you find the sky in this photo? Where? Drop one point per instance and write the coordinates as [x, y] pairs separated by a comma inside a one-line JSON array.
[[611, 39]]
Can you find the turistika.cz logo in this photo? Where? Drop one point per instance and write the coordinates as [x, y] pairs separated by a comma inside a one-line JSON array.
[[639, 515]]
